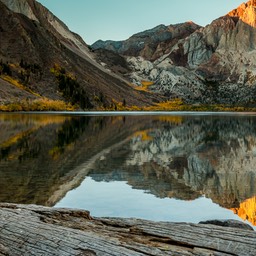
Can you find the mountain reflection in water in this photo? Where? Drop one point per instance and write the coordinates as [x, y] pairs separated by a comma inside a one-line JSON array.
[[180, 157]]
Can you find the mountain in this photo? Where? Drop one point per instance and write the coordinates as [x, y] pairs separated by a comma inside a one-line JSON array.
[[42, 59], [150, 44], [212, 64]]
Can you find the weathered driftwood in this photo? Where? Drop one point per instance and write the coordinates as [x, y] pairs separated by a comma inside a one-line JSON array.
[[35, 230]]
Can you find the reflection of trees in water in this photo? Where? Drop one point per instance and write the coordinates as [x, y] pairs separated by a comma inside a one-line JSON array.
[[30, 148], [29, 143], [28, 173], [5, 153], [29, 170], [21, 144], [70, 131]]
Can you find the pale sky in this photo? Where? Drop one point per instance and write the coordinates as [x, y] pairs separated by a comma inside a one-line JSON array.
[[119, 19]]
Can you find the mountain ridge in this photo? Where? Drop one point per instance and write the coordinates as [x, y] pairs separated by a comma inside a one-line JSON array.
[[145, 43], [198, 65], [211, 65]]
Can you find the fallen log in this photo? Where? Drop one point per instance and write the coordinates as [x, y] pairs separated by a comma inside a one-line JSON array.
[[37, 230]]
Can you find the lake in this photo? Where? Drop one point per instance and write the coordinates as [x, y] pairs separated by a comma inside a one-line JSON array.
[[181, 167]]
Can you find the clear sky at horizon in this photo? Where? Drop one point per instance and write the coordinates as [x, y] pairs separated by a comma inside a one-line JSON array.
[[118, 20]]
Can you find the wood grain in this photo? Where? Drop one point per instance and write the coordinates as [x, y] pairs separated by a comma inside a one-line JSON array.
[[36, 230]]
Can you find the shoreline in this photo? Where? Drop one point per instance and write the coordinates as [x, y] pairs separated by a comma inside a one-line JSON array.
[[134, 113], [174, 105]]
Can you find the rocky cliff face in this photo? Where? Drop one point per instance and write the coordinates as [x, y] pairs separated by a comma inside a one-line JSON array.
[[214, 64], [245, 12], [22, 7], [33, 41]]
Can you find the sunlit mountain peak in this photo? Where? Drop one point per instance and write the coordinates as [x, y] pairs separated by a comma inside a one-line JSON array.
[[246, 12]]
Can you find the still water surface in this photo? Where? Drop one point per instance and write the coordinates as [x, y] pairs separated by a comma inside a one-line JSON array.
[[179, 167]]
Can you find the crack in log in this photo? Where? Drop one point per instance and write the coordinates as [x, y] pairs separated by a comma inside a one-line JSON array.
[[8, 206], [168, 241], [87, 252], [63, 214], [107, 222], [159, 239]]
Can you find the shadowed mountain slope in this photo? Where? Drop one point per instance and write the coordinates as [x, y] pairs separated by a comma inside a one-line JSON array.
[[40, 52]]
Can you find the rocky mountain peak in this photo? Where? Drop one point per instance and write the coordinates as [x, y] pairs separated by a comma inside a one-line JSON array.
[[20, 6], [150, 44], [246, 12]]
